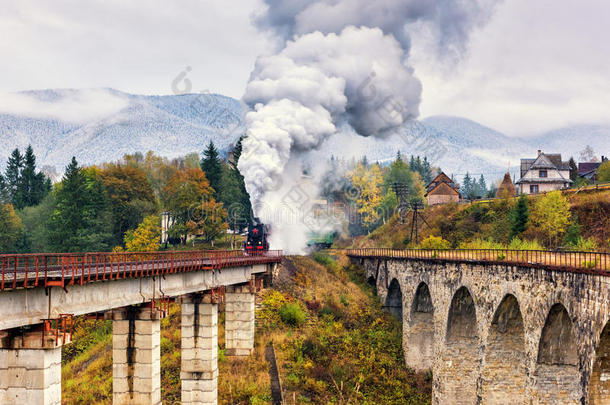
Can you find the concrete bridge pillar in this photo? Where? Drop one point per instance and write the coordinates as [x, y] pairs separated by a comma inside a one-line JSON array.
[[199, 367], [239, 320], [136, 356], [30, 376], [30, 365]]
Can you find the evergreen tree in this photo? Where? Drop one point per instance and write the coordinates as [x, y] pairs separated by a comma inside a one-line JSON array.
[[365, 161], [573, 170], [33, 186], [467, 186], [520, 216], [4, 194], [426, 171], [210, 164], [234, 195], [80, 220], [482, 187], [13, 178]]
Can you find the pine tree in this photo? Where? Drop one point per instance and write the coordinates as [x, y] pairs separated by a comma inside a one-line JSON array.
[[210, 164], [467, 186], [520, 216], [482, 187], [573, 170], [426, 171], [13, 178], [80, 219], [4, 194], [33, 187]]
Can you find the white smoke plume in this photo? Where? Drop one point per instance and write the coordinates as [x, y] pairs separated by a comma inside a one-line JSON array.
[[342, 67]]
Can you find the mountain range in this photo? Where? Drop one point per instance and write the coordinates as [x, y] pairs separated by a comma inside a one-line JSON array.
[[105, 124]]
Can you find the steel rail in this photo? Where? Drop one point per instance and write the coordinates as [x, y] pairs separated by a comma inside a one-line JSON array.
[[582, 262], [32, 270]]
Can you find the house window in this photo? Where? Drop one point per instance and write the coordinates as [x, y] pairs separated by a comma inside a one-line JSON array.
[[542, 173], [534, 189]]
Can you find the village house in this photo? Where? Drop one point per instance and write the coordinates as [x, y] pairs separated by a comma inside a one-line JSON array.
[[442, 190], [547, 172], [588, 170]]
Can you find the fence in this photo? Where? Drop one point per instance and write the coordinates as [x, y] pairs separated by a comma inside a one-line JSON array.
[[585, 261], [62, 269]]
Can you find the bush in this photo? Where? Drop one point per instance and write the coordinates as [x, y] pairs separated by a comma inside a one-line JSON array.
[[292, 314], [481, 244], [518, 244], [434, 242], [583, 245]]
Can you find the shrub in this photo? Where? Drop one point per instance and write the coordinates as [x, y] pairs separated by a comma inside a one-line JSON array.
[[434, 242], [292, 314], [519, 244], [481, 244], [583, 245]]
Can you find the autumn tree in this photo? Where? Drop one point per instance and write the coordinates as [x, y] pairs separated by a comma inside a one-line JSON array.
[[184, 193], [208, 219], [367, 182], [146, 237], [11, 229], [551, 216], [603, 171], [130, 197]]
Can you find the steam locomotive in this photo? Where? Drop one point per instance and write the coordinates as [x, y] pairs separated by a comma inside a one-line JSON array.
[[256, 240]]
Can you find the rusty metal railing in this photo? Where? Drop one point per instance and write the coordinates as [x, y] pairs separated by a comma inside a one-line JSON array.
[[64, 269], [593, 262]]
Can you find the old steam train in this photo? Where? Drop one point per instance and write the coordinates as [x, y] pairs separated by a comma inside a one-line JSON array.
[[257, 238]]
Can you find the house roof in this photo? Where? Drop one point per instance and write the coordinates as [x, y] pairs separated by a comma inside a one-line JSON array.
[[544, 161], [442, 178], [560, 180], [587, 167], [442, 188]]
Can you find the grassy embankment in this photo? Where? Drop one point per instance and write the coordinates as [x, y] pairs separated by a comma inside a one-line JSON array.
[[333, 343], [466, 225]]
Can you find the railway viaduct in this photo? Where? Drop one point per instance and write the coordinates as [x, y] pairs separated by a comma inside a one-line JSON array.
[[39, 295], [496, 332]]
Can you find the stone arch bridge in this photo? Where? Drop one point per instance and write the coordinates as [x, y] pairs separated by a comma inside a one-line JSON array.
[[498, 332]]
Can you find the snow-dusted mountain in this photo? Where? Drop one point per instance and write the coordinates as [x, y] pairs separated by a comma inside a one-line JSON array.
[[102, 125], [120, 123]]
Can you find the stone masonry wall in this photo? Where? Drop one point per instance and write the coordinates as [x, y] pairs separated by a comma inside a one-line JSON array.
[[503, 346]]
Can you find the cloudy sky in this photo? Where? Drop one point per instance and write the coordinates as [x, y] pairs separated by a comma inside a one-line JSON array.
[[535, 66]]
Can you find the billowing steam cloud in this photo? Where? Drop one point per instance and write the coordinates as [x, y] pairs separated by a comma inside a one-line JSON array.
[[342, 67]]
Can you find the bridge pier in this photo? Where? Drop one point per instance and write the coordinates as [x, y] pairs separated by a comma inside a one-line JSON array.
[[30, 364], [239, 320], [199, 364], [136, 356], [30, 376]]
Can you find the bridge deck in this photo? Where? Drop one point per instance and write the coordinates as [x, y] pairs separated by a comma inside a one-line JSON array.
[[580, 262], [48, 270]]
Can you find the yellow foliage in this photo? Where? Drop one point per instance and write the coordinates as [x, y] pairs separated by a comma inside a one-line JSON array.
[[145, 238], [551, 215], [434, 242], [368, 183]]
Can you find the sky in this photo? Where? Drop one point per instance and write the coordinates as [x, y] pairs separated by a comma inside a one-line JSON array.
[[535, 66]]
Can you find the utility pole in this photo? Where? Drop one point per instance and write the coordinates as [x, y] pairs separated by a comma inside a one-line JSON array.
[[402, 192], [416, 206]]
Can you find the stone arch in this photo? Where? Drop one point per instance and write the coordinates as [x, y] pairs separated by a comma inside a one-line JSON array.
[[459, 370], [393, 301], [504, 371], [557, 378], [599, 388], [419, 350]]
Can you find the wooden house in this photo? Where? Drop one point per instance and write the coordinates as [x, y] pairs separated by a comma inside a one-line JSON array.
[[442, 190]]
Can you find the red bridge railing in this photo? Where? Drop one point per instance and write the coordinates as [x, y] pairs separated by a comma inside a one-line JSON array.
[[62, 269], [593, 262]]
